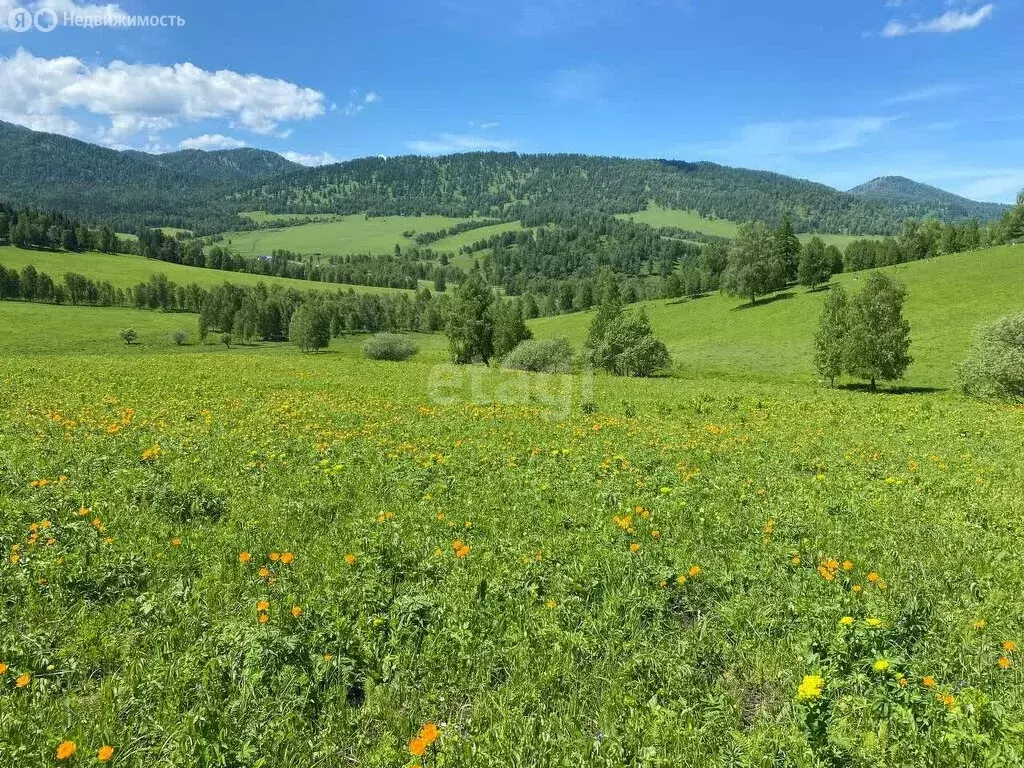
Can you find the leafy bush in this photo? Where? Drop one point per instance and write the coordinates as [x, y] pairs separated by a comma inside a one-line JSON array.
[[179, 337], [995, 369], [225, 339], [389, 346], [541, 355], [629, 348], [310, 328], [129, 336]]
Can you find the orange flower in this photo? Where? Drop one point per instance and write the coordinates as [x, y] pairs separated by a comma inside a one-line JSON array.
[[948, 700], [264, 618], [847, 565], [275, 556], [263, 605], [634, 547], [872, 577], [296, 611], [350, 559], [106, 752], [1009, 646], [287, 558], [417, 746], [694, 571], [429, 733], [328, 657], [23, 680], [264, 571], [175, 542], [1004, 663], [462, 551], [3, 669], [66, 750], [928, 681], [244, 557]]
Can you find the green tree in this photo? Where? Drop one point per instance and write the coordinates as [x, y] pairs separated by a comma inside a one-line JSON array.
[[471, 321], [830, 340], [995, 368], [815, 266], [630, 348], [787, 248], [754, 268], [310, 327], [878, 340], [608, 312], [509, 328], [128, 336]]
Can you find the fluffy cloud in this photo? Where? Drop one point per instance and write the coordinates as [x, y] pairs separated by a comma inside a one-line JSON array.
[[447, 143], [145, 98], [211, 141], [324, 158], [358, 103], [951, 21]]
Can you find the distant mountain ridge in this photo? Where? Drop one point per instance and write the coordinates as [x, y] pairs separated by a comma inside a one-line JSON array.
[[203, 191], [902, 193]]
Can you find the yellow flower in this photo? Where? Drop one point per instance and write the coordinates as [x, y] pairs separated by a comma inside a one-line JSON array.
[[881, 665], [694, 571], [328, 657], [979, 624], [1004, 663], [846, 621], [634, 547], [847, 565], [264, 618], [263, 605], [928, 681], [811, 687], [550, 604], [287, 558], [23, 681], [296, 611], [1009, 646], [264, 571], [244, 557], [350, 559], [872, 577], [795, 560], [3, 669], [104, 754], [66, 750], [175, 542], [275, 556], [873, 622]]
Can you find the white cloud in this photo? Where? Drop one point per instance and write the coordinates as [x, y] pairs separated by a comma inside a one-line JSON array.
[[951, 21], [357, 105], [805, 137], [929, 93], [108, 10], [324, 158], [211, 141], [447, 143], [146, 98]]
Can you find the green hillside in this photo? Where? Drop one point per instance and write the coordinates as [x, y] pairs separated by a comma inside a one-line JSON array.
[[656, 216], [906, 194], [125, 270], [717, 335], [344, 235]]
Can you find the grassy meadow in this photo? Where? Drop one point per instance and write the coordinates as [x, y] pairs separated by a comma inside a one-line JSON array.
[[657, 216], [123, 270], [339, 236], [255, 557]]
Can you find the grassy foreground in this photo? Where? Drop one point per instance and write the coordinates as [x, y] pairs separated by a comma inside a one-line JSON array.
[[264, 560]]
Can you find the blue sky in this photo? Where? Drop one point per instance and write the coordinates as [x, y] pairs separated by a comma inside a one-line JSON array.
[[839, 92]]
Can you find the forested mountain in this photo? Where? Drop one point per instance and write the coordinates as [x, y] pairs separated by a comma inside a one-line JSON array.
[[203, 191], [542, 188], [222, 165], [920, 200]]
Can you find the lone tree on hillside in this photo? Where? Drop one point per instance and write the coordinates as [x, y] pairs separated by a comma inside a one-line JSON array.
[[310, 328], [608, 312], [629, 347], [754, 268], [867, 336], [815, 265], [830, 340], [787, 248], [509, 327], [878, 343], [471, 321]]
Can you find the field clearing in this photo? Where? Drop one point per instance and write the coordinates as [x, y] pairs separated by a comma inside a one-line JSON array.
[[262, 216], [717, 335], [656, 216], [659, 571], [341, 236], [124, 270], [453, 243]]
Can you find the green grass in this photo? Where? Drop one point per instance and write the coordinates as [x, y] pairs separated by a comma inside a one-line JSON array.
[[341, 236], [127, 270], [948, 297], [262, 216], [656, 216], [453, 243], [647, 584]]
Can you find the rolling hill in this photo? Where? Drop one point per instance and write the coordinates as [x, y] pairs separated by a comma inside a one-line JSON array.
[[206, 191], [917, 199]]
